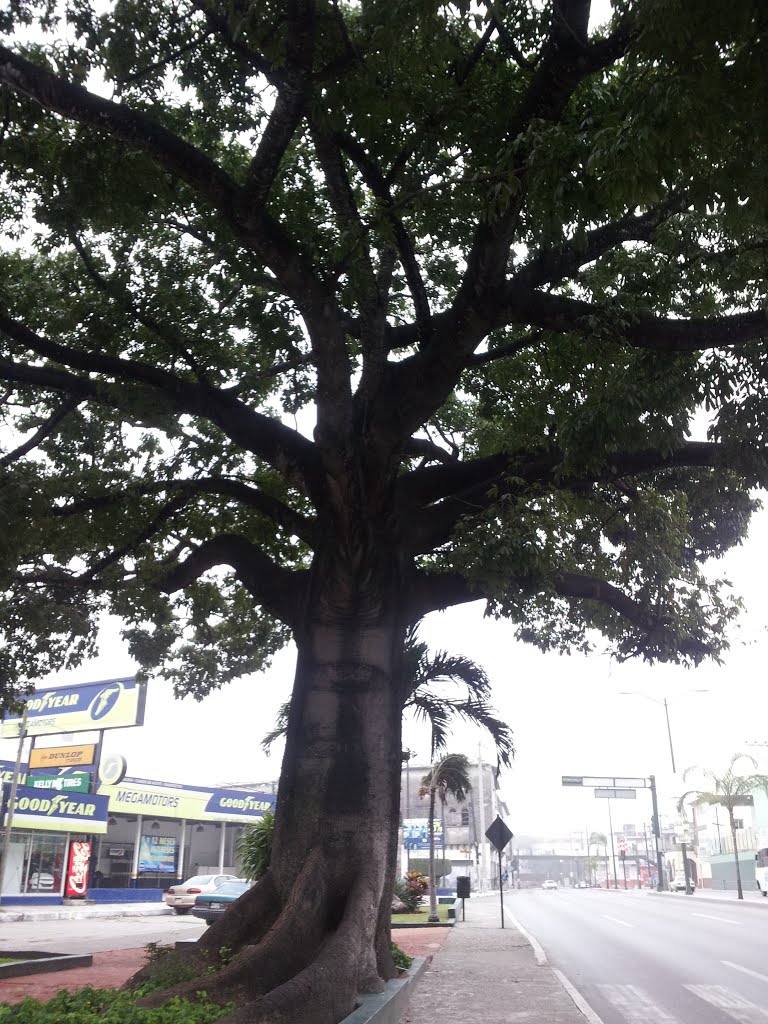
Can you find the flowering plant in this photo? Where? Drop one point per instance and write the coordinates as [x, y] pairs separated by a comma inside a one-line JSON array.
[[412, 889]]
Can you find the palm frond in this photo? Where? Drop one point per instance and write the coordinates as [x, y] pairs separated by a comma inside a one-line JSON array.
[[280, 728], [449, 775]]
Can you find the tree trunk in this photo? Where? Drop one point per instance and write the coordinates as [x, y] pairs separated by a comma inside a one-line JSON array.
[[316, 930], [739, 889], [433, 915]]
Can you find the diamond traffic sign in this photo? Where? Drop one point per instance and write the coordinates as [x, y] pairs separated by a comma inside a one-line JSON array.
[[498, 834]]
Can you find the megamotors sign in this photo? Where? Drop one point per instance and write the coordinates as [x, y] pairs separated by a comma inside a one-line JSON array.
[[108, 704]]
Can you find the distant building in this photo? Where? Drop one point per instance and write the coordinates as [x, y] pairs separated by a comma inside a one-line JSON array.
[[463, 823]]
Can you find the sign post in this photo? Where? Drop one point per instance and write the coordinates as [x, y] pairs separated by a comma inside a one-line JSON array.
[[11, 800], [499, 835]]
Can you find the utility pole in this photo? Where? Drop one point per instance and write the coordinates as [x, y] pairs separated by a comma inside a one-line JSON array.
[[481, 794], [12, 799], [656, 824], [613, 847]]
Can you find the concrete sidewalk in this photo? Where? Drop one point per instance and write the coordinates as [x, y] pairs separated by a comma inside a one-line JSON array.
[[79, 912], [485, 975]]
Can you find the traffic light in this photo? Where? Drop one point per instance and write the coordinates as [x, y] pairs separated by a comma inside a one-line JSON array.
[[622, 854], [655, 825]]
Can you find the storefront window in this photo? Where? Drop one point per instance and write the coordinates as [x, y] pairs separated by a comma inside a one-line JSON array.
[[35, 864]]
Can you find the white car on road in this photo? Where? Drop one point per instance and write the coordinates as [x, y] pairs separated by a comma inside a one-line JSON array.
[[550, 883]]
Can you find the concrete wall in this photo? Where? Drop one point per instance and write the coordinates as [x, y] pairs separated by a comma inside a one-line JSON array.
[[724, 871]]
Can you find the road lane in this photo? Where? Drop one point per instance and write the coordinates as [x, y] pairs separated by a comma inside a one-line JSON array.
[[641, 959]]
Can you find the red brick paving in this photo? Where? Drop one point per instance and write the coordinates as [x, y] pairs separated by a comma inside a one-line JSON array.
[[111, 970]]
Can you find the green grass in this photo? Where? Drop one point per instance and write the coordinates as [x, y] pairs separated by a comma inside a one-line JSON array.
[[11, 959], [421, 916]]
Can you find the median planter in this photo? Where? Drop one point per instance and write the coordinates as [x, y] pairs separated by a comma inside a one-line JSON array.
[[387, 1007], [24, 962]]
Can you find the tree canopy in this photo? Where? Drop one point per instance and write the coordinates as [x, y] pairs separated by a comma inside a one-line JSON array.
[[318, 316], [496, 258]]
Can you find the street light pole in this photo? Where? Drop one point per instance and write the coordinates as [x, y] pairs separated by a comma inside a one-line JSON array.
[[613, 848], [669, 735]]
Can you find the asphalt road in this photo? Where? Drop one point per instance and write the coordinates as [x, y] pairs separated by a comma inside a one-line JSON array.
[[638, 958], [95, 936]]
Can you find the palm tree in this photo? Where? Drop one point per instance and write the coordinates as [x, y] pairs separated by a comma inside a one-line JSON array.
[[727, 790], [598, 839], [421, 671], [448, 776]]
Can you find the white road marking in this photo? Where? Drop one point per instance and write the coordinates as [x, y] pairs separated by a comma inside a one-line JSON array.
[[617, 920], [635, 1006], [581, 1003], [711, 917], [739, 1009], [745, 970], [538, 951]]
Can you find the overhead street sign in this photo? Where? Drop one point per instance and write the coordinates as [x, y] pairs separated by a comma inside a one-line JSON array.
[[605, 782], [615, 794]]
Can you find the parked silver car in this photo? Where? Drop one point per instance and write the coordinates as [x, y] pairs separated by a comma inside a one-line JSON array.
[[182, 897]]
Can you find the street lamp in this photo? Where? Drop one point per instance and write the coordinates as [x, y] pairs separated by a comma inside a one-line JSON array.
[[665, 704]]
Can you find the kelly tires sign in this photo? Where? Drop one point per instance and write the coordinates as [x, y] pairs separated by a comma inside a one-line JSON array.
[[108, 704]]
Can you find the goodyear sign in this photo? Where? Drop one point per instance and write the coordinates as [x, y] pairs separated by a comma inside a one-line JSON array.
[[60, 812], [108, 704], [223, 803]]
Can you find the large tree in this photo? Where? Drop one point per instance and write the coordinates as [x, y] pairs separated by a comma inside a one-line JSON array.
[[317, 316]]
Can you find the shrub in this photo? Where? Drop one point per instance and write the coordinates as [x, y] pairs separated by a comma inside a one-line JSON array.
[[443, 867], [170, 968], [402, 960], [412, 889], [255, 847], [107, 1006]]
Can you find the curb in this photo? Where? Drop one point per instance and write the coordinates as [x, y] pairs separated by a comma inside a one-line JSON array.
[[36, 962], [387, 1007], [138, 910], [706, 896]]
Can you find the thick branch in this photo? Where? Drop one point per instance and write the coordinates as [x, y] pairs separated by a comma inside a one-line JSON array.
[[436, 591], [244, 494], [379, 186], [487, 481], [280, 591], [292, 96], [250, 222], [283, 448], [553, 265], [76, 103], [44, 430], [565, 315], [592, 588]]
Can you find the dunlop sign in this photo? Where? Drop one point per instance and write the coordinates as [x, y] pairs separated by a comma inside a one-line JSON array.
[[60, 812], [109, 704], [62, 757]]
